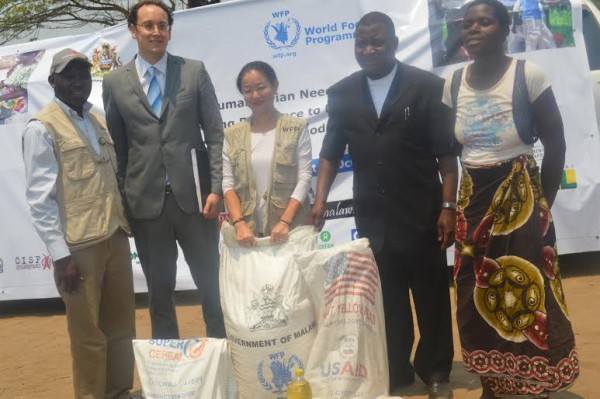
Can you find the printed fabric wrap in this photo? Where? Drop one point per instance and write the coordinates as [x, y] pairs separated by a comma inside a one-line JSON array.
[[512, 316]]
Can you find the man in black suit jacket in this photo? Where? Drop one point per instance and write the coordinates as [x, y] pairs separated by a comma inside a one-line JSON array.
[[399, 137]]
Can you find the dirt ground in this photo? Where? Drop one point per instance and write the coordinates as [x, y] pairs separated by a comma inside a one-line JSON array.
[[35, 360]]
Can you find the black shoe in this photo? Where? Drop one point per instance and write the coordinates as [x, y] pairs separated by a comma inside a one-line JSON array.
[[439, 390]]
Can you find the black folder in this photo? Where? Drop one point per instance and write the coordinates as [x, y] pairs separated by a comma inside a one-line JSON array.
[[202, 177]]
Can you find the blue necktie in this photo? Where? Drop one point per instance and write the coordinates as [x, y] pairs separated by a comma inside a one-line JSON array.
[[154, 94]]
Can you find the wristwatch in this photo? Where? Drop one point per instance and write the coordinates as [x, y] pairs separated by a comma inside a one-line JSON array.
[[449, 205]]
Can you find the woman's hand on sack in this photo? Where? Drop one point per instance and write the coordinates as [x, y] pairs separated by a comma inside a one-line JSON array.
[[280, 233], [244, 235]]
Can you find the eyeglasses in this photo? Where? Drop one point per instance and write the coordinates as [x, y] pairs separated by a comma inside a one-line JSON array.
[[150, 27]]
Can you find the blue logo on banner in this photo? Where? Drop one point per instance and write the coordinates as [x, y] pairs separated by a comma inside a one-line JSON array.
[[345, 165], [281, 370], [354, 234], [315, 166], [283, 31]]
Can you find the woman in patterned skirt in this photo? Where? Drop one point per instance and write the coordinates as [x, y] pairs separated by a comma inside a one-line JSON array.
[[513, 322]]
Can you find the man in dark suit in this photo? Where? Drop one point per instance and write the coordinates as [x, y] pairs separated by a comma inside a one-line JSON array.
[[391, 117], [157, 107]]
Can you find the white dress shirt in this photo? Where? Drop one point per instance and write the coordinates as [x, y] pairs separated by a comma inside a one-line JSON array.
[[142, 66], [41, 174]]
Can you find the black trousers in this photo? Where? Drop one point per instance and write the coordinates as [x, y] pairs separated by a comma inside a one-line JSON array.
[[425, 275], [156, 242]]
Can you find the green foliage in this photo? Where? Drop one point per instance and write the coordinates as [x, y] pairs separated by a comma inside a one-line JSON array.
[[26, 17]]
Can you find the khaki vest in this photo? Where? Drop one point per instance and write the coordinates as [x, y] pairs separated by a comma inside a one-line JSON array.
[[284, 171], [87, 193]]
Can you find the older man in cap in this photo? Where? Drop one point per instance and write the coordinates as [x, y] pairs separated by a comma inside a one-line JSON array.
[[76, 208]]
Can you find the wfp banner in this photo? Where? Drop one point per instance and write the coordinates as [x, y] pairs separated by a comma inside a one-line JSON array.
[[310, 45]]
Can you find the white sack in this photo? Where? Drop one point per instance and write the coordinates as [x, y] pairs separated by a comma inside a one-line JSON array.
[[197, 368], [268, 316], [349, 355]]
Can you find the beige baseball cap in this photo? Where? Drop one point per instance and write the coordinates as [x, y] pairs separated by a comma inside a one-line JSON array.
[[64, 58]]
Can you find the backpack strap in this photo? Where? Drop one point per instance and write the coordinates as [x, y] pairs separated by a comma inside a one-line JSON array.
[[454, 88], [523, 113]]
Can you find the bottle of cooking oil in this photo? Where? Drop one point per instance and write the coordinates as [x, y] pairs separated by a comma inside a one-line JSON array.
[[299, 388]]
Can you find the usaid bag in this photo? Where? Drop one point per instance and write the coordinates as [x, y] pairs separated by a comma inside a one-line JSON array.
[[268, 316], [349, 356], [197, 368]]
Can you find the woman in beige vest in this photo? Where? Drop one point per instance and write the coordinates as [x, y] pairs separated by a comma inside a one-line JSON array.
[[267, 168]]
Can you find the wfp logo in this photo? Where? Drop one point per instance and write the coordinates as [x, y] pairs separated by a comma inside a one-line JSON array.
[[354, 234], [280, 367], [282, 32]]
